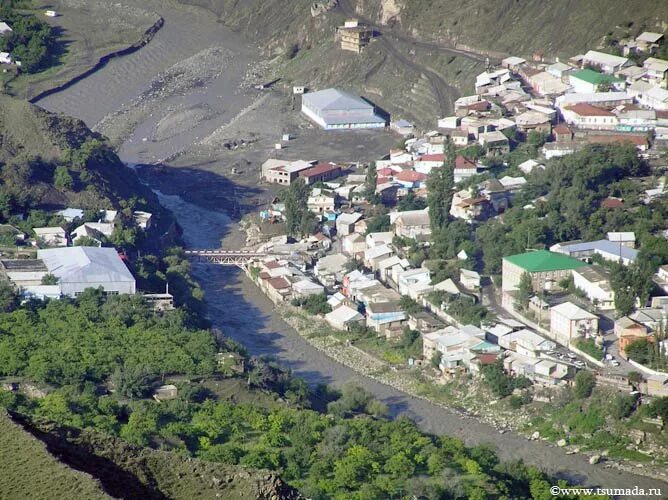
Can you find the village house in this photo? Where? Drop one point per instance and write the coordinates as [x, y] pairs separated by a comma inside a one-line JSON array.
[[50, 236], [495, 143], [402, 127], [546, 84], [594, 281], [528, 166], [5, 28], [278, 289], [410, 277], [319, 241], [142, 219], [345, 223], [425, 163], [331, 269], [467, 207], [410, 179], [656, 71], [69, 214], [655, 98], [79, 268], [413, 224], [469, 279], [379, 238], [465, 168], [628, 331], [589, 117], [373, 255], [661, 278], [525, 342], [353, 244], [559, 70], [569, 322], [335, 109], [387, 318], [533, 121], [282, 171], [23, 273], [343, 317], [305, 287], [605, 62], [322, 172], [321, 201]]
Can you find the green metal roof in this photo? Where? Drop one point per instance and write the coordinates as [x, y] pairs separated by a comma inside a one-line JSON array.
[[544, 260], [594, 77]]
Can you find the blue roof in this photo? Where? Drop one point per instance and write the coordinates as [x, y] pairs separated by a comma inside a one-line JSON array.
[[604, 246]]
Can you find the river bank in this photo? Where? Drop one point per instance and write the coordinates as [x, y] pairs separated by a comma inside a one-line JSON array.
[[238, 308]]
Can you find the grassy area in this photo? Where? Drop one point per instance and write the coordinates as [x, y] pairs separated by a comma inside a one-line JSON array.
[[589, 346], [30, 471]]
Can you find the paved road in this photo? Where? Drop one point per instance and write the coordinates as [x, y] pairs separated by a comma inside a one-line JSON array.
[[240, 311]]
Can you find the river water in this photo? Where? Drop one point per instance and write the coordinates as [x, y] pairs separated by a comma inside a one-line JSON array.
[[235, 305]]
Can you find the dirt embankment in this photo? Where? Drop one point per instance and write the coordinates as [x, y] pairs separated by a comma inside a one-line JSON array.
[[127, 471]]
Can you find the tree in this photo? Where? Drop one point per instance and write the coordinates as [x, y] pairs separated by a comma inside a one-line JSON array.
[[584, 384], [435, 360], [8, 297], [49, 279], [524, 290], [296, 214], [62, 178], [440, 184]]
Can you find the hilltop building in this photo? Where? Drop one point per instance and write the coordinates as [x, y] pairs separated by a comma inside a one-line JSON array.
[[354, 36], [334, 109]]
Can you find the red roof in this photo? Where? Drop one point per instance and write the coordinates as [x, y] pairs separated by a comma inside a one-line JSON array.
[[478, 106], [637, 140], [612, 203], [410, 176], [272, 264], [278, 283], [562, 129], [385, 172], [661, 114], [585, 109], [319, 169], [462, 163], [433, 157]]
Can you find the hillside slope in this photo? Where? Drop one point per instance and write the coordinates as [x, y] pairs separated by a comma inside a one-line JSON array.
[[34, 143], [30, 471], [420, 81], [113, 467]]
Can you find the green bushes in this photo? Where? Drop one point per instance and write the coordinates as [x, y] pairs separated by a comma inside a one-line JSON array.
[[313, 304]]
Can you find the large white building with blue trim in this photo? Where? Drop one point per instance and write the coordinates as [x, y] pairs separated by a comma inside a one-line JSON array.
[[334, 109]]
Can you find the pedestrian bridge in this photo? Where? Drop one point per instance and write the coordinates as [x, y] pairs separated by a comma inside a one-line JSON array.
[[237, 258]]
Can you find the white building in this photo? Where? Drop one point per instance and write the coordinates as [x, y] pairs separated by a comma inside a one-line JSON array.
[[51, 236], [585, 115], [79, 268], [605, 62], [655, 98], [343, 316], [569, 322], [334, 109], [594, 281], [5, 28]]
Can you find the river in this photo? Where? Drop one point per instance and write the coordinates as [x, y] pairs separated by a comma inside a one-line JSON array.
[[236, 306]]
